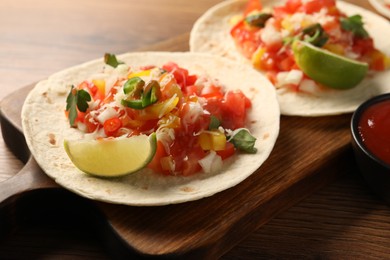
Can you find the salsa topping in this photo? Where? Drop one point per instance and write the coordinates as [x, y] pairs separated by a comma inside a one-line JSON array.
[[266, 36], [197, 123]]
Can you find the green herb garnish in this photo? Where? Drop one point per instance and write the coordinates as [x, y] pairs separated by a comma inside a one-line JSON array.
[[110, 59], [354, 24], [243, 140], [258, 20], [214, 122], [315, 35], [76, 100]]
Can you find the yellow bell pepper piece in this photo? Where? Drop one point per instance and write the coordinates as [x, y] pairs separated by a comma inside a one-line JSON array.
[[159, 109], [387, 62], [335, 48], [101, 85], [256, 57], [142, 73], [212, 140]]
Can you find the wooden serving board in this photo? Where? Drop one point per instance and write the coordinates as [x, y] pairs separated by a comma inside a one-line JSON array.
[[309, 154]]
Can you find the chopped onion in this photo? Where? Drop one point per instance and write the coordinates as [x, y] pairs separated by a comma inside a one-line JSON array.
[[211, 163], [82, 127], [108, 112], [292, 77], [270, 35], [309, 86]]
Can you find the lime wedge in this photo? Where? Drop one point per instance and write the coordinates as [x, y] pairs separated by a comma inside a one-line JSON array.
[[327, 68], [112, 157]]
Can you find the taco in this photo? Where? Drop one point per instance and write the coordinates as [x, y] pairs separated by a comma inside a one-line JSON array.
[[48, 123], [220, 31]]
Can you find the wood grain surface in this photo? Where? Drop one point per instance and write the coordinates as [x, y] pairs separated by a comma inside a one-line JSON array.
[[343, 220]]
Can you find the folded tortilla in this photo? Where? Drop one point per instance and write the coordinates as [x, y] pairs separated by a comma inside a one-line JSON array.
[[210, 34], [45, 127]]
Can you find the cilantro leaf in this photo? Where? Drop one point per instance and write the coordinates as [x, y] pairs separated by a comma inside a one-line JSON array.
[[354, 24], [243, 140], [214, 122], [110, 59], [77, 100], [82, 100]]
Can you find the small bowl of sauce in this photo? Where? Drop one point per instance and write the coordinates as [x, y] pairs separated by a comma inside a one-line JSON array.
[[370, 128]]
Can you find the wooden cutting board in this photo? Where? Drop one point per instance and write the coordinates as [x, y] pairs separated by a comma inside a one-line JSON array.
[[309, 154]]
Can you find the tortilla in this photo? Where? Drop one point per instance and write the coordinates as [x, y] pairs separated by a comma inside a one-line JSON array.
[[210, 34], [45, 128], [382, 6]]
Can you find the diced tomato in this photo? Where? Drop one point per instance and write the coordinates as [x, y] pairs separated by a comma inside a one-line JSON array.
[[94, 91], [148, 125], [170, 66], [245, 38], [191, 79], [211, 92], [268, 62], [79, 118], [227, 152], [310, 7], [331, 25], [292, 6], [274, 46], [279, 12], [253, 5], [191, 162], [234, 110], [191, 90], [181, 75], [86, 86], [91, 124], [155, 164], [231, 110], [286, 62], [214, 107], [186, 155], [111, 126], [363, 45], [189, 124], [376, 60]]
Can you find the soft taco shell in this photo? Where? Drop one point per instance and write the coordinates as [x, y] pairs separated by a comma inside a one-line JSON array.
[[210, 34], [45, 127]]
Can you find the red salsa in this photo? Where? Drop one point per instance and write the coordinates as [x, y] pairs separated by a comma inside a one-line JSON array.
[[374, 130], [192, 115]]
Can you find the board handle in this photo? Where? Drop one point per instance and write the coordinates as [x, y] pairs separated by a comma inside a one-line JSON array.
[[30, 177]]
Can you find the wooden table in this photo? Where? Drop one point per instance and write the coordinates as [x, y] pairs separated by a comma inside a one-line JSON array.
[[343, 220]]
